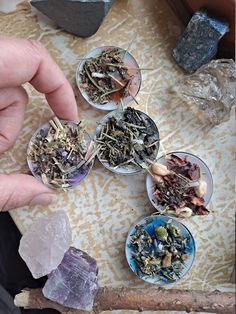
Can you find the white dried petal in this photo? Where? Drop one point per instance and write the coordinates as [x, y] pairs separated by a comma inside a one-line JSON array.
[[98, 75], [159, 169], [201, 189], [185, 212]]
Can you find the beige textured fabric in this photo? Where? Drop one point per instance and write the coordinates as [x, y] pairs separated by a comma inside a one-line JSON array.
[[102, 209]]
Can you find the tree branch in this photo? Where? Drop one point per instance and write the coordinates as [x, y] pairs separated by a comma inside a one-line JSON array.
[[109, 298]]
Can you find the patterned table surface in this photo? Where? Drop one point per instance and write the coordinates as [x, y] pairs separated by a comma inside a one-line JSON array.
[[102, 209]]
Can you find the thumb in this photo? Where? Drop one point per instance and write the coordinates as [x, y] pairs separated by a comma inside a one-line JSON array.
[[18, 190]]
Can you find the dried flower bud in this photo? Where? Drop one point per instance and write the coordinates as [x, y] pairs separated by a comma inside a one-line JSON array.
[[201, 189], [185, 212], [99, 75], [166, 262], [161, 233], [174, 230], [157, 179], [159, 169]]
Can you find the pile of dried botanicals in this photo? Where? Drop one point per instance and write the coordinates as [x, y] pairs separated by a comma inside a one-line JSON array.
[[106, 78], [56, 154], [179, 187], [161, 254], [127, 139]]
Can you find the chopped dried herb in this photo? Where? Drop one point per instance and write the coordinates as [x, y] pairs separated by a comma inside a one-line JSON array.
[[106, 78], [178, 191], [161, 254], [58, 153], [128, 138]]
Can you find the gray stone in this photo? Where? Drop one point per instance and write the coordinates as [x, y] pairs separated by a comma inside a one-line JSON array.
[[199, 42], [79, 17]]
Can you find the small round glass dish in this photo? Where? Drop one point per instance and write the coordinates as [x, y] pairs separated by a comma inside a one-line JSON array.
[[160, 250], [194, 200], [108, 75], [127, 141], [59, 154]]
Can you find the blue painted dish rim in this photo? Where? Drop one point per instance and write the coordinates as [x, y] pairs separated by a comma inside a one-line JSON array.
[[165, 217]]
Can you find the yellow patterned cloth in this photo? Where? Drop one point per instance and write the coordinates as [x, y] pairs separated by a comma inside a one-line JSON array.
[[104, 206]]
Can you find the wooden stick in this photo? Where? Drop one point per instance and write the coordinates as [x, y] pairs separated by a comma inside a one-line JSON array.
[[158, 299]]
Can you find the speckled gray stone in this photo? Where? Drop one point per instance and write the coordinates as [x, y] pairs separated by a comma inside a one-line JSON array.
[[79, 17], [199, 42]]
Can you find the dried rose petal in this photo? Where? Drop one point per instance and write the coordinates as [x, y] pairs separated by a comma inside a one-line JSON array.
[[177, 161], [157, 195], [174, 194], [197, 200], [202, 210]]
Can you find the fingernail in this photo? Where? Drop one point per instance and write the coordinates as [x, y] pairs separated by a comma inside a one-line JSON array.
[[43, 199]]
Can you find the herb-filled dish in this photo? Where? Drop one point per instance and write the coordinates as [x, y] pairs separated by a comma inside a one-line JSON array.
[[160, 250], [127, 141], [60, 153], [180, 184], [108, 76]]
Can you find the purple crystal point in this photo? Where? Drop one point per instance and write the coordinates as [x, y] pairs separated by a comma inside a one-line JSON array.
[[74, 283]]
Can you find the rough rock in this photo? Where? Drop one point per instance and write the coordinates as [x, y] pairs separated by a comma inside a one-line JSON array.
[[74, 283], [211, 88], [44, 244], [199, 41], [79, 17]]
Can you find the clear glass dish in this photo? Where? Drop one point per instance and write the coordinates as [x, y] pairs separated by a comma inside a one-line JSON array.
[[130, 169], [77, 175], [134, 70], [205, 171]]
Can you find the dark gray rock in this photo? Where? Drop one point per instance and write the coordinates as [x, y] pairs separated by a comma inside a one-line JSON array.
[[79, 17], [199, 42]]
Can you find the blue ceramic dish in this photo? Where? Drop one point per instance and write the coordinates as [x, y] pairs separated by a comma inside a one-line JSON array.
[[149, 224]]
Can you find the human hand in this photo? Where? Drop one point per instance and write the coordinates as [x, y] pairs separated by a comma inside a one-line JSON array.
[[22, 61]]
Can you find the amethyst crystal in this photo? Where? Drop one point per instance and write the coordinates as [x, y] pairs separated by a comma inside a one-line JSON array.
[[44, 244], [74, 283]]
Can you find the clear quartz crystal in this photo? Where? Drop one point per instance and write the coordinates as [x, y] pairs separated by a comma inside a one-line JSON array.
[[211, 88], [44, 244]]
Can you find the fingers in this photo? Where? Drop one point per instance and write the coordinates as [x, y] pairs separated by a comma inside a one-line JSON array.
[[12, 108], [23, 60], [19, 190]]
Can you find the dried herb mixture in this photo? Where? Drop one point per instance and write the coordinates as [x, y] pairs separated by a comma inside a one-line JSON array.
[[106, 78], [161, 254], [128, 139], [57, 153], [179, 187]]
